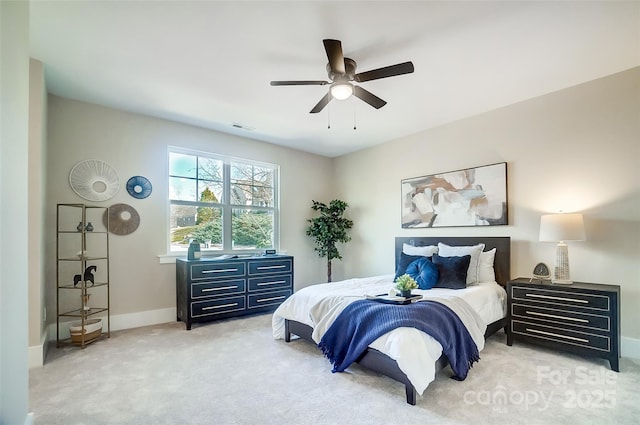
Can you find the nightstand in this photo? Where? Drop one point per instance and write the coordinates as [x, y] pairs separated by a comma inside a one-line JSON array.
[[583, 318]]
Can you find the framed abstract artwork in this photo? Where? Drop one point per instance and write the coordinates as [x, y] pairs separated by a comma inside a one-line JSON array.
[[470, 197]]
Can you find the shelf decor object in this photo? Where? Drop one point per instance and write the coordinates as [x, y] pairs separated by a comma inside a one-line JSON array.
[[94, 180], [560, 228], [139, 187]]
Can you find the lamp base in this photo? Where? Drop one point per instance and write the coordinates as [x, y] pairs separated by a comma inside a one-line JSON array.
[[562, 281]]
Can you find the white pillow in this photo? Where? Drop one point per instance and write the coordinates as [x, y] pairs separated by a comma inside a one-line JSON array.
[[486, 273], [474, 251], [425, 251]]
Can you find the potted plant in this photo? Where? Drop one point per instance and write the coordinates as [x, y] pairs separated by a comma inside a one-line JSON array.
[[405, 284], [329, 229]]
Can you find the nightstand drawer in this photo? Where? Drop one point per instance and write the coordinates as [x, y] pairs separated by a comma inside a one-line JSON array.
[[559, 297], [216, 270], [270, 283], [270, 266], [562, 317], [549, 333], [217, 306], [268, 298], [210, 289]]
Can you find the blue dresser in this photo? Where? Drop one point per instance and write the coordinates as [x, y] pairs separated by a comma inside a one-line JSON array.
[[209, 289]]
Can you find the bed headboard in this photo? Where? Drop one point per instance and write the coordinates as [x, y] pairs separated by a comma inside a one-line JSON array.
[[502, 262]]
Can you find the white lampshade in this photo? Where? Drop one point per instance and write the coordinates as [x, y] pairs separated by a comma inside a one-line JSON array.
[[341, 91], [560, 228]]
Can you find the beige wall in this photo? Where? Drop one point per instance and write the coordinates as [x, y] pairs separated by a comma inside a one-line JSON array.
[[37, 173], [572, 150], [137, 145]]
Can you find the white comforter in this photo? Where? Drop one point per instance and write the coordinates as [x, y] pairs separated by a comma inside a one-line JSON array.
[[415, 352]]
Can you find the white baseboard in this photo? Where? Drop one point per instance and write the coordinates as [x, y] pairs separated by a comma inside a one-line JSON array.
[[38, 353], [630, 347]]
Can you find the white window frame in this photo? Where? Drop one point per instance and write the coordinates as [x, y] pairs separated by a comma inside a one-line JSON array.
[[226, 205]]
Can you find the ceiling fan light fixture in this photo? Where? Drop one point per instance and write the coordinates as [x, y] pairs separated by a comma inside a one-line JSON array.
[[341, 91]]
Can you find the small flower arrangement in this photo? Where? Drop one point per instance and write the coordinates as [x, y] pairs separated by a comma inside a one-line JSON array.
[[405, 283]]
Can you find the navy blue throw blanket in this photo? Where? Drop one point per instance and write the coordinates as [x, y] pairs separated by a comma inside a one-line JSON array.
[[364, 321]]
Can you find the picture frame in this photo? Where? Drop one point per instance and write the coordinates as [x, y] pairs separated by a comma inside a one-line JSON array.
[[461, 198]]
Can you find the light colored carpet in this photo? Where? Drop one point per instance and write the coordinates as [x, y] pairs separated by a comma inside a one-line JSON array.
[[234, 372]]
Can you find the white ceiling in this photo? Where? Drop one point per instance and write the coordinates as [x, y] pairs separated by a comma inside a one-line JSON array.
[[209, 63]]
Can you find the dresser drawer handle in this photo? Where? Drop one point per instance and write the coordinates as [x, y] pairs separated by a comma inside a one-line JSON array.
[[270, 267], [556, 335], [533, 313], [222, 288], [264, 300], [219, 306], [275, 282], [219, 271], [557, 298]]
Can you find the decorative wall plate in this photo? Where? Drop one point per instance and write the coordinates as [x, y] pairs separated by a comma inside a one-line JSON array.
[[139, 187], [121, 219], [94, 180]]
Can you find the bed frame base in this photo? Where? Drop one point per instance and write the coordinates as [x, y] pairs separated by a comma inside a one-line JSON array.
[[376, 361]]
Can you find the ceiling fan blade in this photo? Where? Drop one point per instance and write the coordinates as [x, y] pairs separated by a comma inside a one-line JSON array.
[[368, 97], [335, 56], [323, 102], [300, 83], [387, 71]]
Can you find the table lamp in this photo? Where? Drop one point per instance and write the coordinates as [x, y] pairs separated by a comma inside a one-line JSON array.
[[560, 228]]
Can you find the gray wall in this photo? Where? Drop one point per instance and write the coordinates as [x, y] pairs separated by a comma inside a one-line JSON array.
[[143, 289], [575, 150]]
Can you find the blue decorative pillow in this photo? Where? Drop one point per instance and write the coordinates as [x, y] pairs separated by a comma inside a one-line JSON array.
[[452, 271], [403, 263], [424, 272]]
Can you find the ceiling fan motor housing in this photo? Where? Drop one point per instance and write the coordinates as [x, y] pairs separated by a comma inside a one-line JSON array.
[[349, 75]]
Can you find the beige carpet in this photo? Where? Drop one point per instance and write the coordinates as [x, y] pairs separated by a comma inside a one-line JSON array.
[[233, 372]]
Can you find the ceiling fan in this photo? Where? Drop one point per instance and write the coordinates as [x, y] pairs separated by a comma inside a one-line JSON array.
[[342, 71]]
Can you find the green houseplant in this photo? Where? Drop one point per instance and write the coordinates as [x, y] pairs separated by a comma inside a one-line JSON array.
[[405, 284], [329, 229]]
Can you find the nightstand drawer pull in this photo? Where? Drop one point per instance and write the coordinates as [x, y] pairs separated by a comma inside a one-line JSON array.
[[219, 306], [557, 335], [275, 282], [549, 297], [264, 300], [534, 313], [222, 288], [219, 271], [270, 267]]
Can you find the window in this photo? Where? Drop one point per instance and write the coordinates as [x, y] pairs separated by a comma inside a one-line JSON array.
[[227, 204]]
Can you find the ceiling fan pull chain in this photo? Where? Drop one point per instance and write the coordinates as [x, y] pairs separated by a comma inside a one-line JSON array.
[[329, 118], [354, 115]]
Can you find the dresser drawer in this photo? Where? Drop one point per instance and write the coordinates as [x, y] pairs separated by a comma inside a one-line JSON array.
[[579, 339], [558, 297], [214, 270], [270, 266], [562, 317], [210, 289], [270, 282], [217, 306], [268, 298]]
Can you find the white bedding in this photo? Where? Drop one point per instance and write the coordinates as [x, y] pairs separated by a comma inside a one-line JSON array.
[[415, 352]]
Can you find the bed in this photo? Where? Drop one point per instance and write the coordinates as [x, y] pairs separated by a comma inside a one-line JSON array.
[[406, 355]]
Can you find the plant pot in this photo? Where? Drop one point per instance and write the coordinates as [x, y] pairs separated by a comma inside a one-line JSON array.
[[406, 293]]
